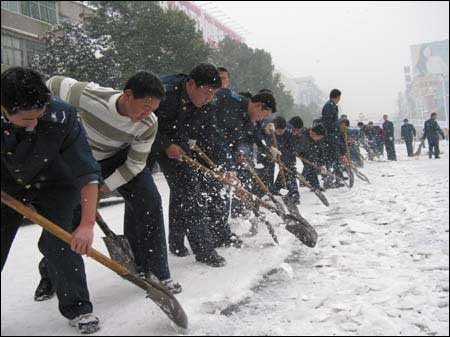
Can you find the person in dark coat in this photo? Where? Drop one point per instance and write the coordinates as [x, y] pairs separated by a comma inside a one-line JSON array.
[[408, 135], [288, 147], [238, 119], [310, 147], [47, 162], [389, 141], [182, 117], [431, 132], [330, 120]]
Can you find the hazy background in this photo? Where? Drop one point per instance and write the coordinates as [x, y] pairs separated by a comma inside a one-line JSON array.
[[358, 47]]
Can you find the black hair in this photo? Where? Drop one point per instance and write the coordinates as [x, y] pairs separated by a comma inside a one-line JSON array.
[[432, 115], [296, 122], [360, 124], [267, 99], [206, 75], [23, 89], [145, 84], [345, 121], [222, 69], [335, 93], [319, 129], [406, 120], [280, 123], [370, 122], [246, 94]]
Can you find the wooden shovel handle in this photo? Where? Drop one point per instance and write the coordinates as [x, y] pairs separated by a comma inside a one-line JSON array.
[[59, 232]]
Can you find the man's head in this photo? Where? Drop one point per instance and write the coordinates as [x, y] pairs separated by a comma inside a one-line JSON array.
[[406, 121], [297, 125], [335, 95], [385, 117], [204, 80], [360, 125], [142, 95], [371, 125], [261, 105], [434, 115], [280, 125], [24, 96], [344, 123], [317, 133], [224, 76]]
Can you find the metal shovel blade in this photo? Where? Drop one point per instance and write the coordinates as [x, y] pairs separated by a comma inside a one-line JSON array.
[[163, 298], [302, 229], [120, 251]]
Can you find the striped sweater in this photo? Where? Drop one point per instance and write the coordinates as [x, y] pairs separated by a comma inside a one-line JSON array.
[[107, 131]]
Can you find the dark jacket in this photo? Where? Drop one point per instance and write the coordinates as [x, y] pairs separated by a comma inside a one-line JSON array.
[[55, 153], [330, 114], [239, 132], [309, 149], [408, 132], [432, 130], [388, 128], [180, 121], [288, 146]]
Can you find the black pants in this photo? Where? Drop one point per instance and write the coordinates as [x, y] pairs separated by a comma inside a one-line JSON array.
[[390, 149], [143, 221], [331, 151], [63, 267], [291, 185], [187, 208], [433, 148], [409, 147], [310, 174], [217, 209]]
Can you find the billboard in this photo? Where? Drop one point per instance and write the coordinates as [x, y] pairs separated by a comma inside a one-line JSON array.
[[430, 59]]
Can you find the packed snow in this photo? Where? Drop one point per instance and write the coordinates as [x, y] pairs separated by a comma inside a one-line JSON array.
[[381, 267]]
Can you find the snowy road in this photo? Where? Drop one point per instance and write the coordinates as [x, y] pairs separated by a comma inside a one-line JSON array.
[[381, 267]]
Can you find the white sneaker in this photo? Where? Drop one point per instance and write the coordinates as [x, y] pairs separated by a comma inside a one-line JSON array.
[[85, 324]]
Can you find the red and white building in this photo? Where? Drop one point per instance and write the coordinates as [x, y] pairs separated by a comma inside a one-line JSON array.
[[212, 29]]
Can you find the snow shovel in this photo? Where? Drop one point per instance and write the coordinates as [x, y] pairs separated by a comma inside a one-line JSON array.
[[296, 225], [419, 150], [118, 246], [193, 145], [156, 291]]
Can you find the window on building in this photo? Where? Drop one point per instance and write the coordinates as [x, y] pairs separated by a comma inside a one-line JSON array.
[[18, 51], [12, 53], [34, 48], [40, 10], [12, 6]]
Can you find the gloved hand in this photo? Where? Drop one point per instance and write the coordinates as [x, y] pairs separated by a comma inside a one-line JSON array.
[[270, 127], [275, 152], [323, 170]]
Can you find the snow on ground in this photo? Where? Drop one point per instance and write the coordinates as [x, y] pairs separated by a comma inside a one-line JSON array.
[[381, 267]]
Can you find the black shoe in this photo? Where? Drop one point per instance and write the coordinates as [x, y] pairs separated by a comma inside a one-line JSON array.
[[212, 260], [181, 251], [44, 291]]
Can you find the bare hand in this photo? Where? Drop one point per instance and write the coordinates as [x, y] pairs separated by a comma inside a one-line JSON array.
[[232, 177], [82, 239], [104, 189], [174, 152]]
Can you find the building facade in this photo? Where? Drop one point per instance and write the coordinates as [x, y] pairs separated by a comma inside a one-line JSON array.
[[24, 23]]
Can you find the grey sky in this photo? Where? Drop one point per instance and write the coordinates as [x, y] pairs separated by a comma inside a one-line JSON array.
[[358, 47]]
